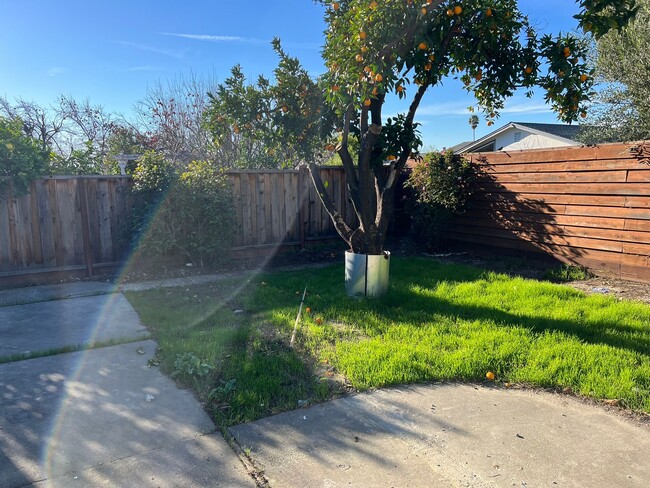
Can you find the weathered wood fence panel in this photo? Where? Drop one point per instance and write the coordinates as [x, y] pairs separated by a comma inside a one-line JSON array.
[[587, 205], [275, 207], [64, 223]]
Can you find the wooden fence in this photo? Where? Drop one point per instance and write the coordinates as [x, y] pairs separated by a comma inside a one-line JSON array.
[[586, 205], [79, 223], [64, 224], [276, 207]]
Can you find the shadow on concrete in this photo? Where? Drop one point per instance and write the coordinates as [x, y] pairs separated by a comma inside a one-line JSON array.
[[88, 412]]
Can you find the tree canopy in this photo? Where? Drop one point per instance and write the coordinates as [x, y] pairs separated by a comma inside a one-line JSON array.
[[22, 157], [379, 48], [621, 109]]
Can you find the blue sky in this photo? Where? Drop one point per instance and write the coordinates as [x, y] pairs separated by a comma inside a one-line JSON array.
[[110, 51]]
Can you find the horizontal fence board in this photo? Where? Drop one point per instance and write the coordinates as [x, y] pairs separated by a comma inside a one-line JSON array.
[[527, 206], [586, 205], [567, 230], [562, 166], [629, 189], [578, 177], [577, 153]]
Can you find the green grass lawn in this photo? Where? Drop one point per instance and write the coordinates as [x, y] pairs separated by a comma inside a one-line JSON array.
[[438, 322]]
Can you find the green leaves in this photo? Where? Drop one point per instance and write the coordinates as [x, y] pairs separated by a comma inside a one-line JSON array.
[[21, 158]]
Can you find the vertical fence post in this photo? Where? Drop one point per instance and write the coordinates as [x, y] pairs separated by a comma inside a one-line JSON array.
[[303, 196], [85, 225]]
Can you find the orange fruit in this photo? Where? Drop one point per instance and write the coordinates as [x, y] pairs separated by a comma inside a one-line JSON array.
[[373, 5], [379, 78], [567, 52], [489, 123], [423, 10], [478, 76], [391, 157], [328, 147], [335, 88], [235, 129], [362, 35], [583, 78], [335, 5], [399, 88], [427, 66], [284, 109], [450, 12], [583, 115], [489, 375], [308, 310], [364, 49], [367, 102], [359, 58], [528, 70], [458, 10], [375, 91], [319, 320], [432, 57], [422, 46], [488, 12]]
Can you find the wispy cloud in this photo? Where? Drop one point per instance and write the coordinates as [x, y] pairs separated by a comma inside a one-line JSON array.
[[55, 71], [174, 53], [239, 39], [213, 38]]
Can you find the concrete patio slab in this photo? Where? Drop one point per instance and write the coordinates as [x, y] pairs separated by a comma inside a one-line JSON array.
[[44, 326], [453, 436], [85, 417]]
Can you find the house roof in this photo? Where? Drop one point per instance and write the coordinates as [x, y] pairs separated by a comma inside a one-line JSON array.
[[561, 132], [459, 147]]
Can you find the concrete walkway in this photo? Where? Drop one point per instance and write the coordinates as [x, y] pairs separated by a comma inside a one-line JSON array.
[[450, 436], [98, 417]]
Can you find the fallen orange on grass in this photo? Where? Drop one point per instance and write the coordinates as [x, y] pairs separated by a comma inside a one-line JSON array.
[[308, 310], [319, 320], [489, 375]]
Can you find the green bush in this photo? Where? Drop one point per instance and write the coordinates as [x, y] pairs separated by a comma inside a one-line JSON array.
[[441, 187], [21, 158], [185, 214]]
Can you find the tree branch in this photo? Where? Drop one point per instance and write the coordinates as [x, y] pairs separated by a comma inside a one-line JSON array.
[[344, 152], [342, 228]]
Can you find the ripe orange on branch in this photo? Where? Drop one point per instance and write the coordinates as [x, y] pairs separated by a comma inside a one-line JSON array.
[[423, 46]]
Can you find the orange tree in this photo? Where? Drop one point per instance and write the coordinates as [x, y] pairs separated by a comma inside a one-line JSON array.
[[380, 48]]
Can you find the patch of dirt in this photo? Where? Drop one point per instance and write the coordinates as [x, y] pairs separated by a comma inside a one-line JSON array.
[[629, 290]]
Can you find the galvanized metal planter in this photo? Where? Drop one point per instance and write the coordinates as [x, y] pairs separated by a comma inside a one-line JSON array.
[[366, 275]]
